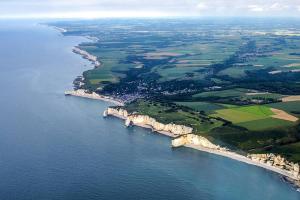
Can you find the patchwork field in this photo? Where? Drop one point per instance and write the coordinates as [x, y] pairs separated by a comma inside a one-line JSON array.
[[256, 117]]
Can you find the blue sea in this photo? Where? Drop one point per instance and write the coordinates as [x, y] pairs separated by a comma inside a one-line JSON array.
[[54, 147]]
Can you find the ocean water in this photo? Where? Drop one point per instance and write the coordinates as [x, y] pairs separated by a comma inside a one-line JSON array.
[[54, 147]]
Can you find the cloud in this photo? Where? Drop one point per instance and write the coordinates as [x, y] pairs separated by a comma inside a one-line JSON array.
[[201, 6], [275, 6], [163, 7], [256, 8]]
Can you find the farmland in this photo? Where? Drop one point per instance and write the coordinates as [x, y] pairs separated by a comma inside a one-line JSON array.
[[223, 78], [244, 114]]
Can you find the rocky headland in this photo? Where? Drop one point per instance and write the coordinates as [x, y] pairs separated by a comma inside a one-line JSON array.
[[183, 136], [93, 95], [87, 56], [172, 130]]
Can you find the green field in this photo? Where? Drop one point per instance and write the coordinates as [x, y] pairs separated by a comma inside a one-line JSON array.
[[202, 106], [265, 96], [254, 118], [239, 95], [244, 114], [223, 93], [264, 124]]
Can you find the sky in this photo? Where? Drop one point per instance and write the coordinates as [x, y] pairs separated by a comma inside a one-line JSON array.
[[146, 8]]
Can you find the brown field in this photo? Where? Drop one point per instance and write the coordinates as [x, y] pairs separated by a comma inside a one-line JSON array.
[[280, 114], [291, 98]]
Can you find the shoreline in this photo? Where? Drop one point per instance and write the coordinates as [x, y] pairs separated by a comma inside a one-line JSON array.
[[224, 152], [288, 177], [95, 96], [235, 156], [165, 133], [228, 154], [87, 55]]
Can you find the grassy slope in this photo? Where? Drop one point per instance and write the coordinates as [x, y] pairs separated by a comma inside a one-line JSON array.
[[202, 106], [172, 114]]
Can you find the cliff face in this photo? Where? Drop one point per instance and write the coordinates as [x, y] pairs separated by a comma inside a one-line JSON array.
[[83, 93], [277, 161], [195, 140], [87, 56], [186, 138], [121, 113], [144, 120]]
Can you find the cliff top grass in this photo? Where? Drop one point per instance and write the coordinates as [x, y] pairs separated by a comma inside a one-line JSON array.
[[207, 107], [172, 113]]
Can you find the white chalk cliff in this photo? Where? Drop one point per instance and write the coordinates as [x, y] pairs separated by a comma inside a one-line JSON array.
[[87, 56], [195, 140], [144, 120], [277, 161], [184, 137], [93, 95]]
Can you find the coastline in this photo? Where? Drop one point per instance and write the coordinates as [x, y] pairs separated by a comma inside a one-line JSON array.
[[87, 56], [165, 133], [228, 154], [225, 153], [241, 158], [83, 94], [288, 177]]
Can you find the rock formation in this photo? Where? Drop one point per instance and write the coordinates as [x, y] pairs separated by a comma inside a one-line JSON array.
[[93, 95], [185, 137], [117, 112], [87, 56], [144, 120], [191, 139], [277, 161]]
